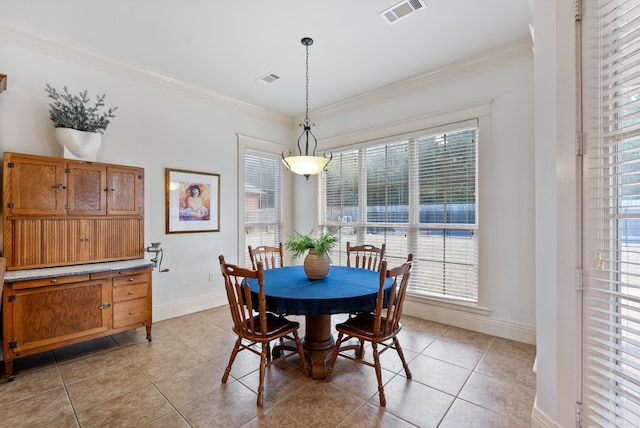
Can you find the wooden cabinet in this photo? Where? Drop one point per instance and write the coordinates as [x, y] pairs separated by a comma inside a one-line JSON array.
[[63, 212], [50, 312]]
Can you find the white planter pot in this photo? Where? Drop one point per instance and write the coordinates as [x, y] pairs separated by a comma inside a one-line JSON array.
[[80, 144]]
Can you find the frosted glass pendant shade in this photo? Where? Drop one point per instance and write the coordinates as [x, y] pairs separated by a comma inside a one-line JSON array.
[[306, 165]]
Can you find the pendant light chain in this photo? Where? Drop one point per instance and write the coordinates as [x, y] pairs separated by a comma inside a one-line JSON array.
[[306, 115]]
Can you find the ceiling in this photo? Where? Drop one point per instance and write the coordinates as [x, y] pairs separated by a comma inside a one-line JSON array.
[[224, 46]]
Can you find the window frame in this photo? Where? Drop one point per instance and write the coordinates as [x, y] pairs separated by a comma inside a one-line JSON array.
[[475, 116], [256, 146]]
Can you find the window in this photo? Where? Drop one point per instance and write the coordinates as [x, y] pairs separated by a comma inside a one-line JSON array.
[[611, 295], [262, 205], [416, 195]]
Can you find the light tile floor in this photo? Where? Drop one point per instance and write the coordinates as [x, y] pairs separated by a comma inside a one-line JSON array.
[[460, 379]]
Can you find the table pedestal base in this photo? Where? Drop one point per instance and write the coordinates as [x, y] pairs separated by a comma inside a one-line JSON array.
[[318, 343]]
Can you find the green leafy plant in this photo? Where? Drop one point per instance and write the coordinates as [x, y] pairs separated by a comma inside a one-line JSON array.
[[299, 243], [75, 111]]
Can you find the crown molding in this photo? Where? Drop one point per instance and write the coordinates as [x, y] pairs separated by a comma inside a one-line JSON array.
[[512, 53], [36, 39]]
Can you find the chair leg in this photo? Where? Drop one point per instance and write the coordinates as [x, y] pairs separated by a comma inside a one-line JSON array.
[[305, 367], [263, 366], [396, 344], [376, 360], [236, 347], [360, 351], [334, 356]]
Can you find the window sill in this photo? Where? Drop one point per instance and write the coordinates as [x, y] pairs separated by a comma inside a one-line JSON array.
[[448, 304]]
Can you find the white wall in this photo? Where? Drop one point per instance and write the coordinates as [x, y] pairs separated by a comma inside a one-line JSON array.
[[156, 128], [502, 80]]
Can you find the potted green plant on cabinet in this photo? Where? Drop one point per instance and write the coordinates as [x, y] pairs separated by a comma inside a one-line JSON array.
[[79, 124]]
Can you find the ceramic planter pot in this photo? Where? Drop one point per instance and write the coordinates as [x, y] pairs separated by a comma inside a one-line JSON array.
[[316, 267], [81, 144]]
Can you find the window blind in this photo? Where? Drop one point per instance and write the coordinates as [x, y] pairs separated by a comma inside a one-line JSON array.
[[416, 195], [611, 296], [262, 203], [447, 192]]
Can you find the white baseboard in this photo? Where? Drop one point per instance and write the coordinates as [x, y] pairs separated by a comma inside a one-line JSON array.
[[539, 419], [190, 306], [471, 321]]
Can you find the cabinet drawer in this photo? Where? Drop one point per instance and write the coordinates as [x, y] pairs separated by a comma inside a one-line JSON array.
[[44, 282], [130, 312], [129, 292], [129, 280], [124, 273]]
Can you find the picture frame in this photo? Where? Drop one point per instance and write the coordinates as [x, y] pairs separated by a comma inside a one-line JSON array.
[[192, 201]]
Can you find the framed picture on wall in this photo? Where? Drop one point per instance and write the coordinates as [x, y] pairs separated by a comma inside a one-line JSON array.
[[193, 201]]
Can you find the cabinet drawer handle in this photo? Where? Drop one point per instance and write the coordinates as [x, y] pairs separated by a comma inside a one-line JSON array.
[[131, 313], [105, 305], [130, 293], [109, 189]]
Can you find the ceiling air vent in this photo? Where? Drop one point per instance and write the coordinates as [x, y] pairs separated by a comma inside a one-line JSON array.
[[402, 10], [268, 78]]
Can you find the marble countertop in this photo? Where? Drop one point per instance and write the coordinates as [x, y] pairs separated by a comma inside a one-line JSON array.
[[27, 274]]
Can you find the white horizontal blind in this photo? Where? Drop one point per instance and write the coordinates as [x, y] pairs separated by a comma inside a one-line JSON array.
[[262, 203], [611, 374], [447, 186], [415, 196], [341, 195]]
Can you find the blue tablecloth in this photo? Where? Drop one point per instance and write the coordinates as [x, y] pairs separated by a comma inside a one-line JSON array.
[[343, 290]]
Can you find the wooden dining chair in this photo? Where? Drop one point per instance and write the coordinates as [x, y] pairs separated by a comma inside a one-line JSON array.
[[254, 325], [271, 257], [365, 256], [380, 327]]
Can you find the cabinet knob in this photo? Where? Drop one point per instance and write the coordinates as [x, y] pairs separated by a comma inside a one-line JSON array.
[[53, 280], [131, 313], [105, 305], [130, 279], [130, 293], [59, 187], [109, 189]]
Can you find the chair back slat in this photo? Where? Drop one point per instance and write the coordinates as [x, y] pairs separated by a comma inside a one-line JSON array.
[[365, 256], [239, 296], [270, 257], [395, 299]]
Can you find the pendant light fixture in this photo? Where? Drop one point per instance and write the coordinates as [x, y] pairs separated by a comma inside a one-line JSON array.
[[309, 163]]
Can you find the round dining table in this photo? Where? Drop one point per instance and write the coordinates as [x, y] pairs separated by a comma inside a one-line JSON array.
[[288, 291]]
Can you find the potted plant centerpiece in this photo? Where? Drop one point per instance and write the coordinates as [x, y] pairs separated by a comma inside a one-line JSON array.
[[78, 123], [317, 262]]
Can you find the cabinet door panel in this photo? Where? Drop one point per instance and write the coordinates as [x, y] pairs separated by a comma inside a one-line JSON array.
[[125, 195], [27, 244], [118, 239], [46, 315], [67, 241], [87, 190], [37, 186]]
